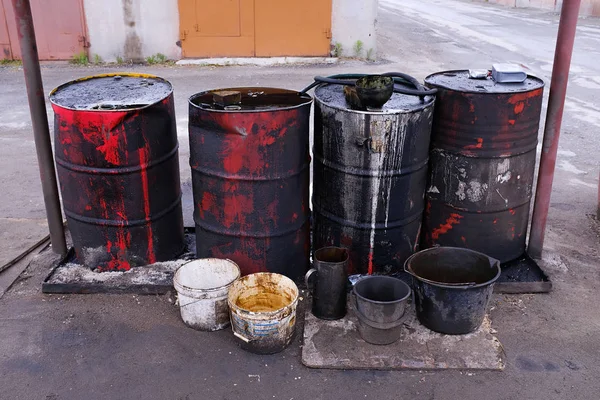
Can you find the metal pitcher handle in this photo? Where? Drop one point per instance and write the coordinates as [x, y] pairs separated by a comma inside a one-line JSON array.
[[307, 277]]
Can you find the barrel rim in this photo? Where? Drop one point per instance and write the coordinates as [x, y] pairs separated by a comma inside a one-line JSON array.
[[436, 85], [385, 278], [204, 92], [421, 107], [176, 280], [108, 75], [266, 314]]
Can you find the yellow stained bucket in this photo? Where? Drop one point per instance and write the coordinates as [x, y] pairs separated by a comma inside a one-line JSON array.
[[262, 308]]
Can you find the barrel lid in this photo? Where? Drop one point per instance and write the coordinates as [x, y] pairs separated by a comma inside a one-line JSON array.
[[333, 96], [460, 81], [253, 99], [111, 92]]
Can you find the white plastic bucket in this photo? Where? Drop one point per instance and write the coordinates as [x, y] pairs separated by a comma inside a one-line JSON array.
[[202, 286], [263, 311]]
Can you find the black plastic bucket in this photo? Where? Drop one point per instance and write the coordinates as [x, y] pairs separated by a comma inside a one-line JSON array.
[[452, 287], [380, 308]]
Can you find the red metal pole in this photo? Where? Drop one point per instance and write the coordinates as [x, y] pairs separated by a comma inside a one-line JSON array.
[[39, 121], [556, 103]]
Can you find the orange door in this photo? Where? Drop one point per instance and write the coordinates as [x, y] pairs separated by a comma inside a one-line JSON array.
[[59, 28], [217, 28], [292, 27], [262, 28]]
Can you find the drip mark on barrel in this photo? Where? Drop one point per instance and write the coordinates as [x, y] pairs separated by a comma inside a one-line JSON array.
[[143, 155]]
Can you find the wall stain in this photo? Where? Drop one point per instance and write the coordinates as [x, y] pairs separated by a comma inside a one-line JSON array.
[[133, 45]]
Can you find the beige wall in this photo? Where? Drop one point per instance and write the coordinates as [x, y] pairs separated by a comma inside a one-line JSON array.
[[132, 29]]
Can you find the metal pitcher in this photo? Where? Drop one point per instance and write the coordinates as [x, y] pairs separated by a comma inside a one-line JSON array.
[[329, 285]]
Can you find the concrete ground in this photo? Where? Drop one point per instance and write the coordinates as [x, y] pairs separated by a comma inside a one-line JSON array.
[[123, 347]]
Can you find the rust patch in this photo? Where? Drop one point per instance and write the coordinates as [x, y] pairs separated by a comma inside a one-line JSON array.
[[519, 107], [453, 219]]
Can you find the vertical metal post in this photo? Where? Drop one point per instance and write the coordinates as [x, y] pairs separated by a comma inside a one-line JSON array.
[[39, 120], [556, 102]]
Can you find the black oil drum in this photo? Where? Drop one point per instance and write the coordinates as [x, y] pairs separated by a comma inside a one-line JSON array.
[[250, 176], [482, 163], [117, 161], [369, 178]]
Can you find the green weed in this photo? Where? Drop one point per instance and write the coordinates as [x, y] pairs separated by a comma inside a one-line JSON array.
[[370, 53], [337, 49], [12, 63], [157, 58], [80, 59], [358, 48]]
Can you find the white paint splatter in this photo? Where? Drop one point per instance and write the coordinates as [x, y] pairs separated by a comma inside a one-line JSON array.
[[503, 178], [503, 166], [476, 190], [460, 193], [502, 197]]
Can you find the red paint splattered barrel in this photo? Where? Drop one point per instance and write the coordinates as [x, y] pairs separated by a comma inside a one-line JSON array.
[[117, 162], [250, 176], [482, 163]]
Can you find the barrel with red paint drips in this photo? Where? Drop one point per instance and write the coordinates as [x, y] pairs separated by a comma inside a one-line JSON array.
[[250, 176], [117, 162], [482, 163]]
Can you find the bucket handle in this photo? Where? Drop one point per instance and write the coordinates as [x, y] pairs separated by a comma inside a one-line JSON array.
[[242, 337], [187, 304], [307, 278]]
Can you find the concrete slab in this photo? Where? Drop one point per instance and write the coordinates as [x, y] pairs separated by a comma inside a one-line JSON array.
[[148, 279], [338, 345], [11, 271], [70, 277]]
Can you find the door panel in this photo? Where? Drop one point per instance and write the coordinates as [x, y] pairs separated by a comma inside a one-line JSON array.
[[217, 28], [218, 18], [5, 52], [9, 17], [292, 27], [59, 26]]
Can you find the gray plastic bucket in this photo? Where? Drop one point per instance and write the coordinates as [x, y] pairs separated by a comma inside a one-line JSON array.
[[380, 308]]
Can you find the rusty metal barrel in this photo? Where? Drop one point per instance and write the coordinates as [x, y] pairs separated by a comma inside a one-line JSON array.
[[117, 161], [250, 176], [369, 178], [483, 154]]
